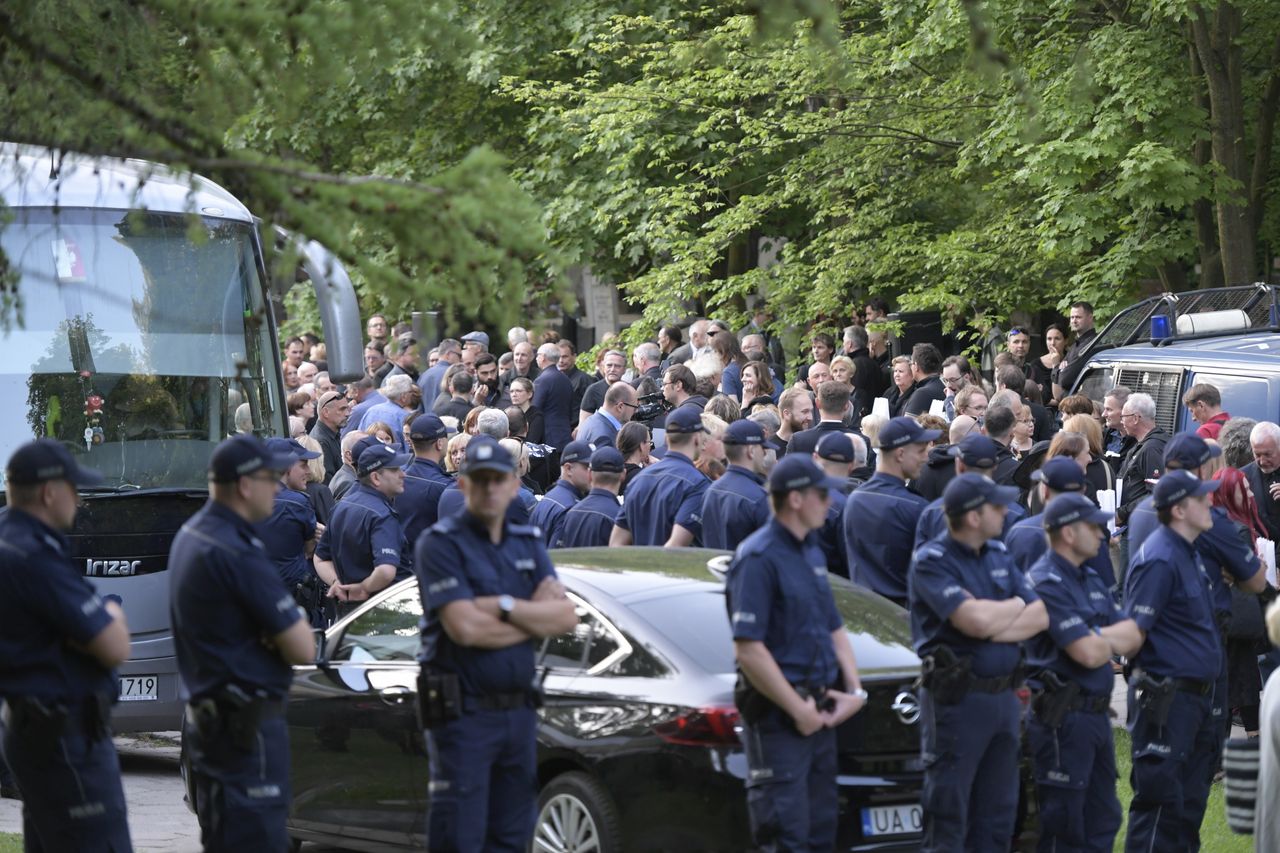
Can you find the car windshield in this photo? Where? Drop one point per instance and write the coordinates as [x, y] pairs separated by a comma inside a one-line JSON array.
[[696, 623], [134, 337]]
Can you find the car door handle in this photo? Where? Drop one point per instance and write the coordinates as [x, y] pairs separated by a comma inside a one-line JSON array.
[[394, 695]]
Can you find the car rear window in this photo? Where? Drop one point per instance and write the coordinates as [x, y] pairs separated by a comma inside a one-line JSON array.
[[696, 623]]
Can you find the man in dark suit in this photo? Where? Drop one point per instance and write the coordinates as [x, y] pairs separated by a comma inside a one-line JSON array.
[[833, 405], [553, 394], [926, 367], [1264, 474]]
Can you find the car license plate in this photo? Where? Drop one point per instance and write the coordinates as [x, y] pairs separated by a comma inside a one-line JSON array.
[[139, 688], [892, 820]]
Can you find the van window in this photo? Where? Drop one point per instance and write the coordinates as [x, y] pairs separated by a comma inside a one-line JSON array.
[[1242, 396], [1164, 386], [1096, 383]]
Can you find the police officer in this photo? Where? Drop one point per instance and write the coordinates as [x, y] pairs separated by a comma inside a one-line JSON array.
[[289, 535], [880, 516], [970, 609], [1070, 730], [590, 522], [575, 480], [1026, 540], [836, 456], [978, 454], [664, 501], [363, 550], [236, 631], [1175, 738], [58, 648], [798, 678], [735, 506], [488, 591], [424, 478]]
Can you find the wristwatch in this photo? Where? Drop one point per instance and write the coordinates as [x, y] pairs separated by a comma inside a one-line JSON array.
[[506, 604]]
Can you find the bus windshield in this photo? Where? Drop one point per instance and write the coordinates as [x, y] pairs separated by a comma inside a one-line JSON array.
[[138, 339]]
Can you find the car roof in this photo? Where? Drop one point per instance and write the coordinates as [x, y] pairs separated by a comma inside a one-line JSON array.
[[629, 574], [1253, 347], [27, 180]]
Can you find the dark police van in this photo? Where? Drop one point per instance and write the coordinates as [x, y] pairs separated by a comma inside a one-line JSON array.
[[1227, 337]]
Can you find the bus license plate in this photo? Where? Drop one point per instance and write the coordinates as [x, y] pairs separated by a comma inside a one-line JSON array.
[[892, 820], [139, 688]]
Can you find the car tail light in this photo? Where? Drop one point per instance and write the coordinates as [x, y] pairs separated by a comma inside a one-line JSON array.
[[701, 727]]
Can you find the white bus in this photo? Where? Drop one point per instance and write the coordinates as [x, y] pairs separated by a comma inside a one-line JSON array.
[[135, 319]]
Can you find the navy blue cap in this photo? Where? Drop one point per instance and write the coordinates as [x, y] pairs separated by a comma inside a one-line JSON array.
[[794, 472], [44, 460], [362, 445], [835, 446], [968, 491], [1179, 484], [901, 431], [484, 453], [427, 427], [380, 456], [290, 445], [242, 455], [608, 459], [744, 431], [684, 420], [976, 451], [1190, 451], [1069, 508], [576, 451], [1062, 474]]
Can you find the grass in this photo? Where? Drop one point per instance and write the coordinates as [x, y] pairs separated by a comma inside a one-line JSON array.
[[1215, 836], [10, 843]]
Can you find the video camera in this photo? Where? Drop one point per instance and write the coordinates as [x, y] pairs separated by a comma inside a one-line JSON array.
[[652, 406]]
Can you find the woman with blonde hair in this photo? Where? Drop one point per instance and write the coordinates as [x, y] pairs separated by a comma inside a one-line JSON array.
[[319, 494], [457, 450], [1099, 474], [871, 426]]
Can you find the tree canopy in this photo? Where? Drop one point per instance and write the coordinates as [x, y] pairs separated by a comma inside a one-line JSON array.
[[975, 157]]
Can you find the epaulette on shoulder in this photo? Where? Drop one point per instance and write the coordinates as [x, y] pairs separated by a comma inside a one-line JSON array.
[[530, 530], [928, 551], [997, 545]]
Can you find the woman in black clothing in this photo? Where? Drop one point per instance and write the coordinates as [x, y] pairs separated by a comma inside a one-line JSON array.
[[321, 498], [522, 398], [902, 384], [635, 444]]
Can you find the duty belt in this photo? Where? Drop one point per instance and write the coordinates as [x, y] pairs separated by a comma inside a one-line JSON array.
[[1183, 685], [997, 684]]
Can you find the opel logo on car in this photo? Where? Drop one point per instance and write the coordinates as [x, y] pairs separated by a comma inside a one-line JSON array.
[[907, 707]]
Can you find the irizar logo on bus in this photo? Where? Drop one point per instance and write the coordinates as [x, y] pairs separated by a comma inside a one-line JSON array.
[[111, 568]]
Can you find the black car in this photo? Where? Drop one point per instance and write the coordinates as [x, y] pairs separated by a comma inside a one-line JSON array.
[[638, 742]]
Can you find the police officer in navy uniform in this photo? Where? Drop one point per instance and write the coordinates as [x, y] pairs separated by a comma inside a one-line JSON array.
[[735, 506], [236, 631], [1070, 728], [590, 522], [880, 516], [978, 454], [58, 648], [664, 500], [424, 477], [574, 482], [1175, 737], [798, 676], [1026, 540], [289, 535], [364, 550], [836, 456], [488, 592], [970, 610]]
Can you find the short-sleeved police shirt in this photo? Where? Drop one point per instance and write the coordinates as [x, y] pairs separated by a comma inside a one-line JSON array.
[[225, 596], [880, 520], [455, 560], [831, 535], [1077, 601], [419, 504], [661, 496], [590, 523], [46, 604], [1167, 593], [734, 507], [364, 532], [933, 522], [778, 594], [944, 574], [548, 513], [291, 525], [1027, 542], [1224, 547]]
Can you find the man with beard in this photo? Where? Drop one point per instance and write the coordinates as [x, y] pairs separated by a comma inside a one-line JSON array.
[[796, 407]]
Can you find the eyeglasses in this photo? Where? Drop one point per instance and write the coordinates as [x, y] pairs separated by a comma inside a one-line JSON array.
[[1130, 415], [631, 405]]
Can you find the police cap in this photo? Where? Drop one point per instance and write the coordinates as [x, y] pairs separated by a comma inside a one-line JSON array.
[[744, 431], [242, 455], [902, 431], [1190, 451], [975, 450], [45, 459], [1061, 474], [1178, 484], [968, 491], [1069, 508], [608, 459], [794, 472]]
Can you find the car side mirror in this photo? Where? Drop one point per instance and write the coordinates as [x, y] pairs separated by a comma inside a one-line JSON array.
[[319, 636]]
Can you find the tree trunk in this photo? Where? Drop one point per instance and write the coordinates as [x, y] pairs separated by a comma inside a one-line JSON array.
[[1218, 49], [1202, 209], [1264, 135]]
